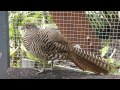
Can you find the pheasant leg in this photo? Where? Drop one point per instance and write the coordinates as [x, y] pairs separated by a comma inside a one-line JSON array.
[[41, 70], [45, 69]]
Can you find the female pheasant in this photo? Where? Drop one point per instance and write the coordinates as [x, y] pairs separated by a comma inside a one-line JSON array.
[[51, 44]]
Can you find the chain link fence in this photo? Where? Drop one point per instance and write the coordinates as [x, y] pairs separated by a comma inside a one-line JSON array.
[[95, 31]]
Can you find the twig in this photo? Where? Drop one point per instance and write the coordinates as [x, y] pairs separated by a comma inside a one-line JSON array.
[[113, 53]]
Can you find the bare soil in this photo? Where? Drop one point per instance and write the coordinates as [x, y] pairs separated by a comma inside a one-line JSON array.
[[57, 73]]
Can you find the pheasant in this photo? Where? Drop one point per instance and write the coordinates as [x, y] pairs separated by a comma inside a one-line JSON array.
[[51, 44]]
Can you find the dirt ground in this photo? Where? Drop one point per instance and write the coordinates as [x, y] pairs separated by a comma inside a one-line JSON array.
[[57, 73]]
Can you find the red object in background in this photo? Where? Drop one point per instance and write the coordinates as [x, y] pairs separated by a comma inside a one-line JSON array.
[[75, 26]]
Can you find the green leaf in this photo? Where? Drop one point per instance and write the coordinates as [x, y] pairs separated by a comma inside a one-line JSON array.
[[23, 48], [12, 51], [117, 63], [32, 57], [114, 71], [104, 51], [22, 32], [110, 60]]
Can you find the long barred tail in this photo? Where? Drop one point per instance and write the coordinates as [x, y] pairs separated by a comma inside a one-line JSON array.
[[90, 62]]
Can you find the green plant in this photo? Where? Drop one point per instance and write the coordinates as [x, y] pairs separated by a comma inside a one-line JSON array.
[[98, 20], [16, 20]]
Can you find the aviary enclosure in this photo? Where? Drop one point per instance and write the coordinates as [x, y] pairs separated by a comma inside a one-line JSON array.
[[94, 31]]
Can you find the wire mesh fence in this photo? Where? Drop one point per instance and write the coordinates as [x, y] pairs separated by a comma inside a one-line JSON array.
[[95, 31]]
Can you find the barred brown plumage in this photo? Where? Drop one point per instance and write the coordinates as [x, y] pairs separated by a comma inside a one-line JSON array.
[[51, 45]]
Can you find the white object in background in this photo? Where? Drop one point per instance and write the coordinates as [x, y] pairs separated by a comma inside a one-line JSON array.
[[27, 63], [77, 46], [113, 53]]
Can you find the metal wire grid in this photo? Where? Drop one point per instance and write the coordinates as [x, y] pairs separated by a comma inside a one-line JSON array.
[[75, 26], [16, 20], [86, 28]]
